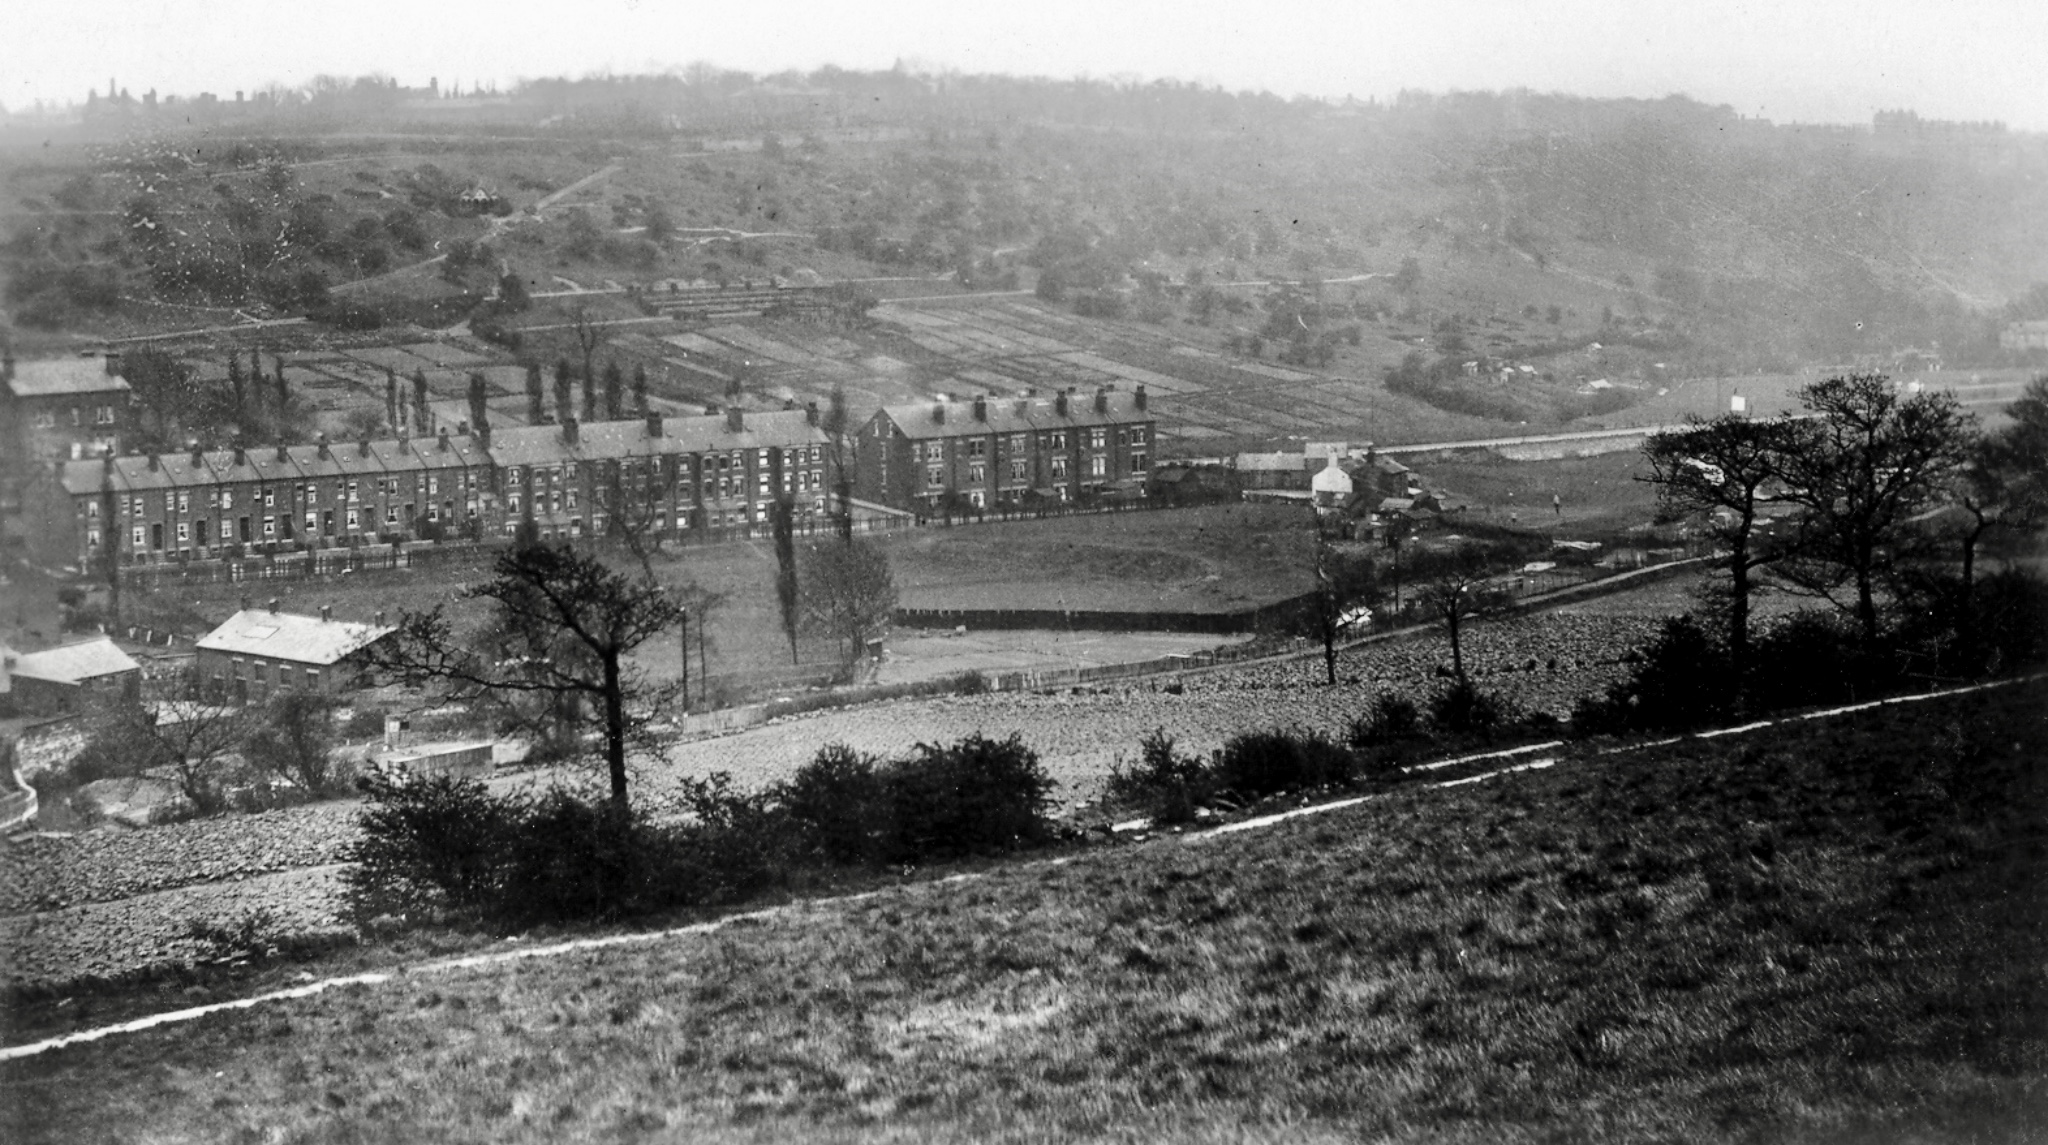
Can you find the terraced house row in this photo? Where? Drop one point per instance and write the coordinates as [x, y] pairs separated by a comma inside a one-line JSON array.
[[655, 474], [1006, 453]]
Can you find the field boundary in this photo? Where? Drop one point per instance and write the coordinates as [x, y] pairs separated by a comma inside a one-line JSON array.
[[582, 945]]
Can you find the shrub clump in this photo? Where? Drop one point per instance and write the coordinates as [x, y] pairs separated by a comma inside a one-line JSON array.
[[975, 797]]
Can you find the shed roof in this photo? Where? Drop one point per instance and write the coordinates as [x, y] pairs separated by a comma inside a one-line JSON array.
[[290, 636], [76, 663]]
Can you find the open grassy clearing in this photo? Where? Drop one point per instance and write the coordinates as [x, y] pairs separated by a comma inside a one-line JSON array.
[[1834, 933]]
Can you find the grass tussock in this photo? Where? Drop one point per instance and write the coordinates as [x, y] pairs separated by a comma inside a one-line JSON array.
[[1835, 934]]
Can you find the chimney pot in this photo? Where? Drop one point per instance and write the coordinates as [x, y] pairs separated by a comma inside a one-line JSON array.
[[198, 456], [270, 605], [735, 419], [443, 439], [569, 430], [241, 456], [981, 409], [380, 618], [322, 439], [653, 423], [1139, 397], [363, 447], [281, 454], [327, 612], [155, 463], [1101, 400], [811, 413], [938, 413]]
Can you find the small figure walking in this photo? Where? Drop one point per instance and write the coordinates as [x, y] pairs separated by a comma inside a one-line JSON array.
[[1556, 505]]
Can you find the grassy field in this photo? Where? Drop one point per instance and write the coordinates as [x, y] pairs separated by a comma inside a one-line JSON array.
[[1833, 933]]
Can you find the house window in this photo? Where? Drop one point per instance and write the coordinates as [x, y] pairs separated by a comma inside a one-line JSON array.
[[1059, 466], [269, 526], [511, 504], [352, 496], [977, 472], [105, 415], [137, 536], [184, 502], [184, 532], [92, 509], [974, 498], [1137, 435], [227, 499], [1098, 467], [135, 506], [391, 514], [47, 419], [977, 447], [92, 538], [312, 494], [269, 498], [936, 475], [1017, 467], [1098, 438], [75, 420], [1057, 440], [311, 521], [1137, 463]]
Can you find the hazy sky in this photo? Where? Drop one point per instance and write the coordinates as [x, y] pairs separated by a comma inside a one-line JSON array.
[[1789, 60]]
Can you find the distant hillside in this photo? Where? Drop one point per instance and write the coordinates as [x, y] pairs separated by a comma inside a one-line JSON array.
[[1744, 245]]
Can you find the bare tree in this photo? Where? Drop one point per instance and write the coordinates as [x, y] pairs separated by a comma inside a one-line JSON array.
[[1862, 467], [186, 729], [589, 334], [848, 595], [1344, 583], [293, 738], [2003, 481], [1456, 587], [838, 426], [1724, 473], [562, 625]]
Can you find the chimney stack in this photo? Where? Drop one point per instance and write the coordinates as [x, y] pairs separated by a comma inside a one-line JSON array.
[[363, 447], [154, 463], [198, 455], [938, 413], [442, 439], [653, 423], [569, 431], [1101, 399], [981, 409], [322, 439], [245, 602], [1059, 403], [107, 460], [735, 419], [711, 410], [1139, 397], [380, 618], [811, 413], [281, 454], [241, 455], [113, 363], [326, 612]]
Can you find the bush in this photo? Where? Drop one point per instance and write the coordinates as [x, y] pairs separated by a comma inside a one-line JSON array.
[[841, 802], [1169, 785], [437, 843], [1389, 719], [575, 859], [1462, 709], [1254, 765], [977, 797]]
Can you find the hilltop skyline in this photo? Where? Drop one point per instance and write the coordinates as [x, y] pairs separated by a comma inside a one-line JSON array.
[[1829, 62]]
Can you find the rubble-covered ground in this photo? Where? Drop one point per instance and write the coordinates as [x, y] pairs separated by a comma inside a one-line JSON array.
[[109, 902]]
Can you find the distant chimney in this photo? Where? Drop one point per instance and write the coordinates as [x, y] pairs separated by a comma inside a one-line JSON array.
[[1059, 403], [653, 423], [811, 413], [442, 442], [324, 454], [270, 605], [569, 431], [281, 454], [241, 455], [327, 612], [198, 456], [981, 409], [1101, 400], [380, 618], [938, 413], [155, 463], [735, 419], [1139, 397], [113, 363]]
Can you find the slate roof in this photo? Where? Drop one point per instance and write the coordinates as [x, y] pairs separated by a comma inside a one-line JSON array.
[[290, 636], [76, 663], [1012, 415], [55, 377]]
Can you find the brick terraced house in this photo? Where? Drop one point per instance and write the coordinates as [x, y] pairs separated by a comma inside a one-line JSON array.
[[61, 407], [668, 475], [1005, 454]]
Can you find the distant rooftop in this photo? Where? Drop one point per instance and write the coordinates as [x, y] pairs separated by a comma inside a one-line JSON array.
[[289, 636], [75, 663], [46, 377]]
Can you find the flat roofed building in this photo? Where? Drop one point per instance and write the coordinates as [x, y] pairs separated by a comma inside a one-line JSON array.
[[261, 651]]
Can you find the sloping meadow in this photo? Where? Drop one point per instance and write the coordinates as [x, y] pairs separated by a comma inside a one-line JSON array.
[[1833, 932]]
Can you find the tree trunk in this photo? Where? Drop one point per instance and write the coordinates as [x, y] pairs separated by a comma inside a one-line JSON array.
[[1457, 655], [1738, 619], [615, 729]]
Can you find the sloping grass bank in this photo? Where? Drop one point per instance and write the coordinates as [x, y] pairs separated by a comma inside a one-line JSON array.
[[1835, 933]]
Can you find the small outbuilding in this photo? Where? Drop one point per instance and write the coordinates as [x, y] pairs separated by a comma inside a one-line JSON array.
[[71, 677], [260, 651]]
